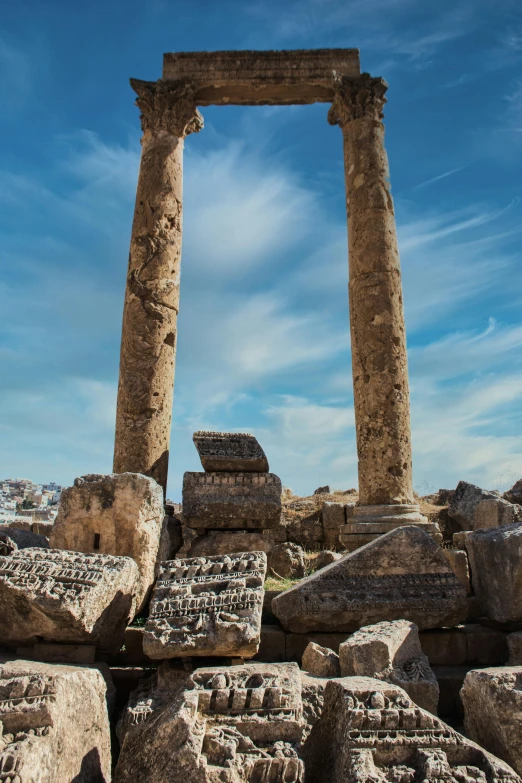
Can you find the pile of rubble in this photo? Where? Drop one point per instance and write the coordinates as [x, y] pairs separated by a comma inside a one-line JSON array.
[[142, 645]]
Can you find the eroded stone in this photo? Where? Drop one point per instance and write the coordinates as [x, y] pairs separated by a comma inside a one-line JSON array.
[[464, 502], [230, 452], [401, 575], [13, 539], [56, 596], [495, 558], [55, 726], [207, 606], [321, 661]]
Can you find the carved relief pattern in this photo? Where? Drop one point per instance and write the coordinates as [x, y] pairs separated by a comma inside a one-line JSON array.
[[356, 99], [167, 106]]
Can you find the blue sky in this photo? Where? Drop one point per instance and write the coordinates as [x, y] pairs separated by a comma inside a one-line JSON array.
[[263, 342]]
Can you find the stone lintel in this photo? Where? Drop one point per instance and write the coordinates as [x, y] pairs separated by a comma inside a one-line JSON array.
[[262, 77]]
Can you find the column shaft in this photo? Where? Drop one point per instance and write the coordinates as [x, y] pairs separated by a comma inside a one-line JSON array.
[[149, 331]]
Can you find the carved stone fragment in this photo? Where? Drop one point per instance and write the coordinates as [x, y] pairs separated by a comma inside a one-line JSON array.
[[239, 724], [230, 452], [232, 500], [56, 596], [495, 558], [207, 606], [116, 514], [392, 651], [492, 700], [54, 724], [372, 731], [401, 575]]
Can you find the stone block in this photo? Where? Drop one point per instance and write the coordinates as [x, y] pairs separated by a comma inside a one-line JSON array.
[[464, 502], [287, 561], [232, 500], [495, 512], [116, 514], [445, 646], [320, 661], [296, 643], [43, 527], [229, 542], [64, 653], [458, 560], [460, 538], [236, 723], [514, 643], [492, 701], [67, 597], [485, 646], [324, 558], [55, 724], [371, 730], [231, 452], [357, 590], [496, 571], [13, 539], [272, 647], [207, 606], [333, 516], [391, 651], [267, 605]]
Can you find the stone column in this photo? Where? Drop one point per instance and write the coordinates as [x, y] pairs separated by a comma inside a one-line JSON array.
[[378, 336], [148, 343]]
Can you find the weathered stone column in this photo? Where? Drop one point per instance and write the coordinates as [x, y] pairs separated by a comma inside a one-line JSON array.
[[378, 336], [148, 344]]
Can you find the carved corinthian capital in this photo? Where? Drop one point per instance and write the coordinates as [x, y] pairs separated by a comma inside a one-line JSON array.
[[169, 107], [357, 99]]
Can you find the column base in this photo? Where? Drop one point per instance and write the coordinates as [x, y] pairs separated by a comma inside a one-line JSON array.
[[370, 522]]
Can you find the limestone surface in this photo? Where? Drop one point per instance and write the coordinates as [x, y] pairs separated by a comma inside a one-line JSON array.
[[207, 606], [287, 560], [372, 731], [401, 575], [56, 596], [514, 495], [320, 661], [239, 724], [13, 539], [492, 701], [54, 722], [230, 452], [232, 500], [392, 651], [464, 502], [115, 514], [495, 558], [324, 558]]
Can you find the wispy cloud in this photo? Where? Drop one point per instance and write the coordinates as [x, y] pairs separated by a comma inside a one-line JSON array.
[[438, 178]]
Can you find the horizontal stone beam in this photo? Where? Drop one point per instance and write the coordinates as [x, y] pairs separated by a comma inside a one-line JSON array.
[[262, 77]]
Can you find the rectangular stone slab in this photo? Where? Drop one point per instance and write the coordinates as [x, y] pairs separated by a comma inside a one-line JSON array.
[[266, 77], [207, 606], [401, 575], [70, 597], [222, 500], [230, 452]]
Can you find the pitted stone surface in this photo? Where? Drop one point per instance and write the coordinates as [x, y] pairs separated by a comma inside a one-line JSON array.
[[56, 596], [401, 575], [391, 651], [495, 558], [207, 606], [230, 452], [232, 500], [464, 502], [54, 724], [492, 700], [115, 514], [372, 731], [239, 724]]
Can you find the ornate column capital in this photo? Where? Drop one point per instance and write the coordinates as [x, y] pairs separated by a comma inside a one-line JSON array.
[[167, 106], [362, 98]]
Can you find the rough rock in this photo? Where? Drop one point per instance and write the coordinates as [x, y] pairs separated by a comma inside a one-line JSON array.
[[464, 502], [514, 495], [492, 701], [371, 731], [231, 500], [495, 558], [333, 515], [239, 724], [56, 596], [116, 514], [322, 490], [324, 558], [392, 651], [207, 606], [496, 512], [458, 560], [401, 575], [287, 560], [514, 642], [321, 661], [55, 725], [231, 452], [13, 539]]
